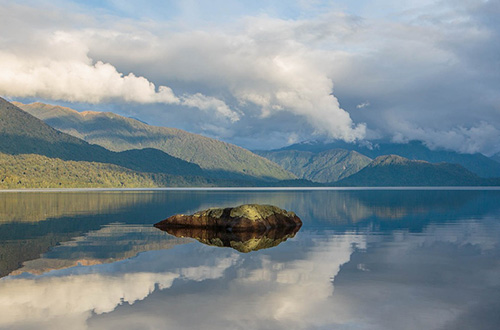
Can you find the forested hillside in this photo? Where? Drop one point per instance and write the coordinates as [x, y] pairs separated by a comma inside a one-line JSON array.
[[118, 133]]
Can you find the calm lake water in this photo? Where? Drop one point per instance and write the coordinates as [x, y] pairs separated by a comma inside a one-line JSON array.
[[363, 259]]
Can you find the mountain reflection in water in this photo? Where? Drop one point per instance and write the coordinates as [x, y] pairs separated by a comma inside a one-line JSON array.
[[33, 223], [241, 241]]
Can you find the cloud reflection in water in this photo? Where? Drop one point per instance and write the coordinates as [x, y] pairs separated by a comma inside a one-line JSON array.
[[233, 288]]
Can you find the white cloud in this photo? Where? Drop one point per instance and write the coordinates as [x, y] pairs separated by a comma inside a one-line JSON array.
[[363, 105], [203, 102], [75, 81], [258, 65], [64, 71], [481, 137]]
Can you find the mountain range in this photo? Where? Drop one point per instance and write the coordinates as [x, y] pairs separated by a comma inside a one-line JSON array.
[[413, 150], [44, 145], [342, 167]]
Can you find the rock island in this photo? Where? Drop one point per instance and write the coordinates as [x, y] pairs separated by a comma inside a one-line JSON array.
[[248, 217]]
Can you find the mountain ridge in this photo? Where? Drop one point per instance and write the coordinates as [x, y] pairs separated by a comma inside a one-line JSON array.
[[118, 133]]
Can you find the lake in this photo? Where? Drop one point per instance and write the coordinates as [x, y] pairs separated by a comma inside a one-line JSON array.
[[363, 259]]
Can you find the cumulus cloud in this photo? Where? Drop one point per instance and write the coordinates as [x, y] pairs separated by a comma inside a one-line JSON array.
[[76, 81], [264, 70], [260, 72], [64, 71]]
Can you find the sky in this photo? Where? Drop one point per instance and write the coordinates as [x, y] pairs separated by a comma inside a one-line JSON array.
[[265, 74]]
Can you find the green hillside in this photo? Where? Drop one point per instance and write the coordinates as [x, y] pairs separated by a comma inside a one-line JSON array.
[[36, 171], [22, 133], [119, 133], [394, 170], [327, 166]]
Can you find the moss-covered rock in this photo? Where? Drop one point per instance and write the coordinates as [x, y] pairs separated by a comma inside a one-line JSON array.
[[248, 217]]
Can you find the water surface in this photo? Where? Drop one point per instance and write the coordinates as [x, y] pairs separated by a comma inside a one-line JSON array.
[[364, 259]]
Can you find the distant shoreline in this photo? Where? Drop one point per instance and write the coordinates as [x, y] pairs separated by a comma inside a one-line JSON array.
[[248, 189]]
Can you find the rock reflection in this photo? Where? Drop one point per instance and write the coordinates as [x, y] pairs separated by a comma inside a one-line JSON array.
[[241, 241]]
